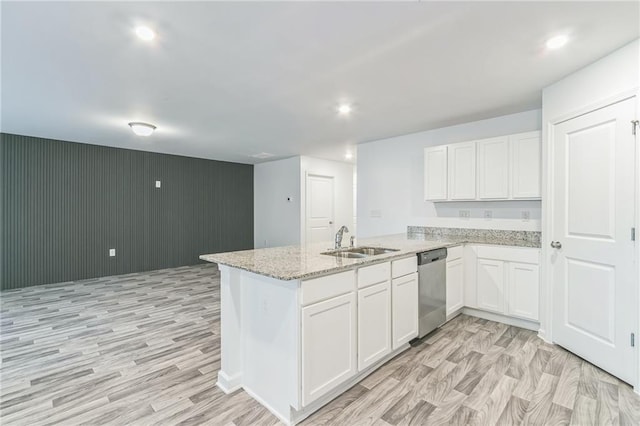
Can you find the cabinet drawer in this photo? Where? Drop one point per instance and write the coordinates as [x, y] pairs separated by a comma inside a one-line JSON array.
[[404, 266], [373, 274], [454, 253], [322, 288], [509, 254]]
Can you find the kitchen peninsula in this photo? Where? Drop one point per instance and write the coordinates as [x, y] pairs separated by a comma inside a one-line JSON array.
[[300, 326]]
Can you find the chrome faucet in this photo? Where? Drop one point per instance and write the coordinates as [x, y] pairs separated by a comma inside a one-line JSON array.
[[341, 231]]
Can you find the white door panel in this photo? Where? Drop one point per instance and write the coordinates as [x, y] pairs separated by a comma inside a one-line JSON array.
[[493, 168], [522, 290], [455, 285], [329, 345], [435, 173], [525, 165], [319, 208], [490, 282], [594, 280], [374, 324], [404, 311], [462, 171]]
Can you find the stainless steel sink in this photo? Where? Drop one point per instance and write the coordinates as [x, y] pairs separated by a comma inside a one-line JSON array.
[[359, 252]]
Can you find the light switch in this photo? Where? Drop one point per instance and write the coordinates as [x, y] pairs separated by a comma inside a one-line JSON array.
[[526, 215], [112, 252], [158, 184]]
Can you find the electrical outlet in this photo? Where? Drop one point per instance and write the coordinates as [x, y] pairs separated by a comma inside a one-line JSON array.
[[464, 214], [112, 252], [488, 214], [158, 184], [526, 215]]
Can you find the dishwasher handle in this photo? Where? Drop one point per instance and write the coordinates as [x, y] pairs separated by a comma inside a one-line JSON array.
[[432, 256]]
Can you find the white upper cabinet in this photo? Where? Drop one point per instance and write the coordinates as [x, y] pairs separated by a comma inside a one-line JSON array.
[[493, 168], [525, 165], [435, 173], [500, 168], [462, 171]]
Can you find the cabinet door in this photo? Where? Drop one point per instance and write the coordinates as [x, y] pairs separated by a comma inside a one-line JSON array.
[[462, 171], [523, 282], [328, 345], [374, 324], [404, 298], [493, 168], [525, 165], [455, 283], [490, 285], [435, 173]]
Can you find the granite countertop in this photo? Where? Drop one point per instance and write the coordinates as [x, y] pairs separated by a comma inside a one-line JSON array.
[[306, 261]]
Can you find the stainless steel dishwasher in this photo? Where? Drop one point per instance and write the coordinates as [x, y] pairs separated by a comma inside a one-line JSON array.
[[432, 284]]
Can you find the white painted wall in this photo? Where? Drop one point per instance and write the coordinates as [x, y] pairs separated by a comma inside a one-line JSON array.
[[279, 222], [343, 190], [390, 181], [616, 73], [276, 221]]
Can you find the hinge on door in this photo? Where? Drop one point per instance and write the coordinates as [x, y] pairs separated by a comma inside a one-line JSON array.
[[634, 126], [633, 234], [633, 339]]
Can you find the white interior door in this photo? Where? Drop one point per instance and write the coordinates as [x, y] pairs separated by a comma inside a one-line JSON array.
[[319, 208], [594, 281]]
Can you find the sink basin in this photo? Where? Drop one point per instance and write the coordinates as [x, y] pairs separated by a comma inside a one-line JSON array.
[[359, 252]]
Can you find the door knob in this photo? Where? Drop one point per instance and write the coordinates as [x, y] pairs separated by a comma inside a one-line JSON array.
[[556, 244], [330, 222]]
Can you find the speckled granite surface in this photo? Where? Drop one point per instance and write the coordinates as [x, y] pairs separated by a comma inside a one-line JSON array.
[[480, 236], [299, 262]]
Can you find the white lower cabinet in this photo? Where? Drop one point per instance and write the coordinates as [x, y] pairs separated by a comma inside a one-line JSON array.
[[404, 297], [522, 288], [374, 324], [455, 285], [329, 345], [508, 281], [490, 285]]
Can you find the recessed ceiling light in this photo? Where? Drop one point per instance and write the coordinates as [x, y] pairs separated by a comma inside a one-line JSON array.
[[142, 129], [557, 41], [344, 109], [348, 155], [145, 33]]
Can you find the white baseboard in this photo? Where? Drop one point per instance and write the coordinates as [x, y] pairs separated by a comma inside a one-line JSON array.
[[516, 322], [543, 335], [229, 384]]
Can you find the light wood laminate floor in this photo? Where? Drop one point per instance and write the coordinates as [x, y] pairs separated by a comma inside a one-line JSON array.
[[144, 349]]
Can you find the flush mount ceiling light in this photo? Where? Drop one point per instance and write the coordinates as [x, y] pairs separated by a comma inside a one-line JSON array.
[[557, 42], [344, 109], [145, 33], [142, 129], [348, 155], [262, 155]]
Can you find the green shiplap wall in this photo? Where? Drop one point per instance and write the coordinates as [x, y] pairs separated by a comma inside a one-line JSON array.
[[65, 204]]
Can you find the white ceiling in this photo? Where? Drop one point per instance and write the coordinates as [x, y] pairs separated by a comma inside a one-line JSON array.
[[227, 80]]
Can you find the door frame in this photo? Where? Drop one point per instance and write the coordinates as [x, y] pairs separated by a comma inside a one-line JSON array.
[[303, 203], [546, 270]]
